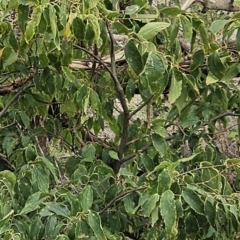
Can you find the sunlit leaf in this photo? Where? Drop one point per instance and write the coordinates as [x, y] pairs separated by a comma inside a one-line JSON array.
[[150, 30], [168, 212]]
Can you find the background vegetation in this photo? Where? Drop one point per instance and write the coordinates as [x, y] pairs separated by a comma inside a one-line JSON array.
[[79, 159]]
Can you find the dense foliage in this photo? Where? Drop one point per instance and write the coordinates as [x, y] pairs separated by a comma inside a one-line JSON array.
[[74, 165]]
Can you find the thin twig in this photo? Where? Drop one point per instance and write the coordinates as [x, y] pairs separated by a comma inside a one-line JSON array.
[[39, 146], [119, 197], [221, 115], [74, 129], [98, 59], [14, 98], [140, 107], [143, 149], [178, 114]]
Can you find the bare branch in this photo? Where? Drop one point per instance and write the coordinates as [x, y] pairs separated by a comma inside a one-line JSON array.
[[140, 107], [221, 115], [122, 99], [9, 87]]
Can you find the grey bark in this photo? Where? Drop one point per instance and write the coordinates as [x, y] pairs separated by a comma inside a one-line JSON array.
[[226, 5]]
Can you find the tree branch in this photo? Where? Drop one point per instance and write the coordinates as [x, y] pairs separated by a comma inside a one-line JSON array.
[[140, 107], [119, 197], [122, 98], [14, 98], [221, 115], [15, 84]]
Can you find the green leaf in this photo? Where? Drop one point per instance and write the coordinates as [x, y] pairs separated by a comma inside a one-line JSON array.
[[36, 15], [161, 166], [133, 57], [50, 227], [90, 34], [57, 209], [168, 212], [147, 162], [92, 3], [151, 29], [197, 59], [33, 203], [10, 178], [179, 208], [154, 216], [204, 36], [187, 159], [211, 177], [129, 204], [48, 165], [35, 227], [88, 153], [68, 74], [8, 144], [67, 52], [71, 165], [131, 9], [113, 154], [238, 39], [94, 222], [174, 29], [232, 71], [13, 41], [42, 27], [30, 31], [78, 28], [8, 56], [95, 101], [176, 86], [218, 25], [30, 153], [172, 11], [209, 211], [43, 60], [215, 65], [104, 168], [160, 144], [149, 205], [23, 14], [187, 28], [157, 127], [191, 225], [193, 200], [25, 119], [164, 182], [120, 28], [40, 177], [154, 70], [53, 20], [87, 198], [5, 218]]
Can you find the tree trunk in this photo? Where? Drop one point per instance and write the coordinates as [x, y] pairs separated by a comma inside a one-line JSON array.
[[226, 5]]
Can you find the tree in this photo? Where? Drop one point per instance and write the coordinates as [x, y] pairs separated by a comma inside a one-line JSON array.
[[169, 175], [217, 5]]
